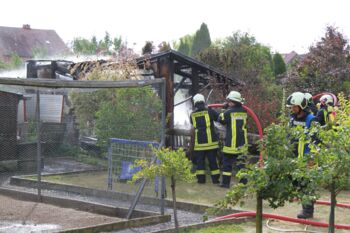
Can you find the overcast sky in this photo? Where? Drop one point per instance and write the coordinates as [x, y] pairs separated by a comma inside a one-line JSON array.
[[284, 25]]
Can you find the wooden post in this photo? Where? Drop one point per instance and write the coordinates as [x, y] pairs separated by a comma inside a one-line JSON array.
[[259, 212], [38, 147]]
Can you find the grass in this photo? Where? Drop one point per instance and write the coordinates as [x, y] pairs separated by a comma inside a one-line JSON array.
[[249, 227], [218, 229], [98, 180]]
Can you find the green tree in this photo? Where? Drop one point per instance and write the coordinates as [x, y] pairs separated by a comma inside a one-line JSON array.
[[131, 113], [127, 113], [117, 43], [201, 40], [84, 46], [85, 105], [15, 61], [148, 48], [332, 155], [3, 65], [93, 46], [94, 42], [164, 46], [279, 67], [106, 43], [173, 165], [185, 45], [325, 67], [241, 57]]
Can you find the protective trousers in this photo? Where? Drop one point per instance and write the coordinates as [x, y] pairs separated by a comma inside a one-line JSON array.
[[200, 162], [227, 161]]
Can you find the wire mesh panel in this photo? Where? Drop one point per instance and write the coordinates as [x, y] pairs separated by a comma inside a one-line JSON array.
[[122, 156]]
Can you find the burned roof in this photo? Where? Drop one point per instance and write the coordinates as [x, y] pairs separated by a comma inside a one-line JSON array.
[[23, 41], [183, 62]]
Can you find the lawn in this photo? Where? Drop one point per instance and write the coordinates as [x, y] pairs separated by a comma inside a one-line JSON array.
[[249, 227]]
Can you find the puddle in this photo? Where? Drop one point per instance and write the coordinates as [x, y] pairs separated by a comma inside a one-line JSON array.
[[18, 227]]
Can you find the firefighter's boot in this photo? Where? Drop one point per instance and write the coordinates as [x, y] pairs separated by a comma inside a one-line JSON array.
[[307, 211], [215, 179], [200, 179], [225, 181]]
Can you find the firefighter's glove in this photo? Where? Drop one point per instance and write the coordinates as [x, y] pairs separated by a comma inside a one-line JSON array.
[[225, 105]]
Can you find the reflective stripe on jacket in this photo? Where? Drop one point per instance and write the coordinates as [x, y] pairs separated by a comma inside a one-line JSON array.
[[303, 142], [205, 135], [236, 140]]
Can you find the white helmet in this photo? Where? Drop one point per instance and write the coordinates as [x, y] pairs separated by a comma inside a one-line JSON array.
[[198, 98], [308, 96], [235, 96], [326, 99], [297, 98]]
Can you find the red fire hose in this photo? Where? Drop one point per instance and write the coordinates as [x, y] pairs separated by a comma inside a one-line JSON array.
[[253, 115], [347, 206], [283, 218]]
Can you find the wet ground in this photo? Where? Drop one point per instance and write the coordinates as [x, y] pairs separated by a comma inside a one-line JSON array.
[[19, 227], [25, 216]]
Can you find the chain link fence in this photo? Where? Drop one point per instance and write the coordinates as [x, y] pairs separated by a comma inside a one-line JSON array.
[[62, 131]]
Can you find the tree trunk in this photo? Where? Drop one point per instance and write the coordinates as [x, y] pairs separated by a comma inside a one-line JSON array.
[[259, 213], [331, 228], [174, 203]]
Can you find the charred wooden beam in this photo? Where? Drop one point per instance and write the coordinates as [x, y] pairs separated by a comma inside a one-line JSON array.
[[184, 74], [78, 84], [178, 85]]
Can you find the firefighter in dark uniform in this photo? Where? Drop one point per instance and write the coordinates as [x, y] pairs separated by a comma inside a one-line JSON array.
[[205, 139], [326, 113], [310, 104], [236, 142], [301, 116]]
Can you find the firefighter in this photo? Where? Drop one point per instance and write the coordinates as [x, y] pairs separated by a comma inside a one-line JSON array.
[[206, 141], [311, 105], [301, 116], [235, 146], [326, 114]]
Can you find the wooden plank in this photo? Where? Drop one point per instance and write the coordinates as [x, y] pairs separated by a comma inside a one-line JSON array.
[[78, 84]]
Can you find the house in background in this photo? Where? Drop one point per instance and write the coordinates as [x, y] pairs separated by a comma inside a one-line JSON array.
[[291, 57], [27, 42]]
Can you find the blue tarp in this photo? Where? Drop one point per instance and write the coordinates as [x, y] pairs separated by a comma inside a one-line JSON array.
[[128, 170]]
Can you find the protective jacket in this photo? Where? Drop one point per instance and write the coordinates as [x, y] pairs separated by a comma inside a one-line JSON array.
[[202, 120], [235, 120], [325, 115], [303, 142]]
